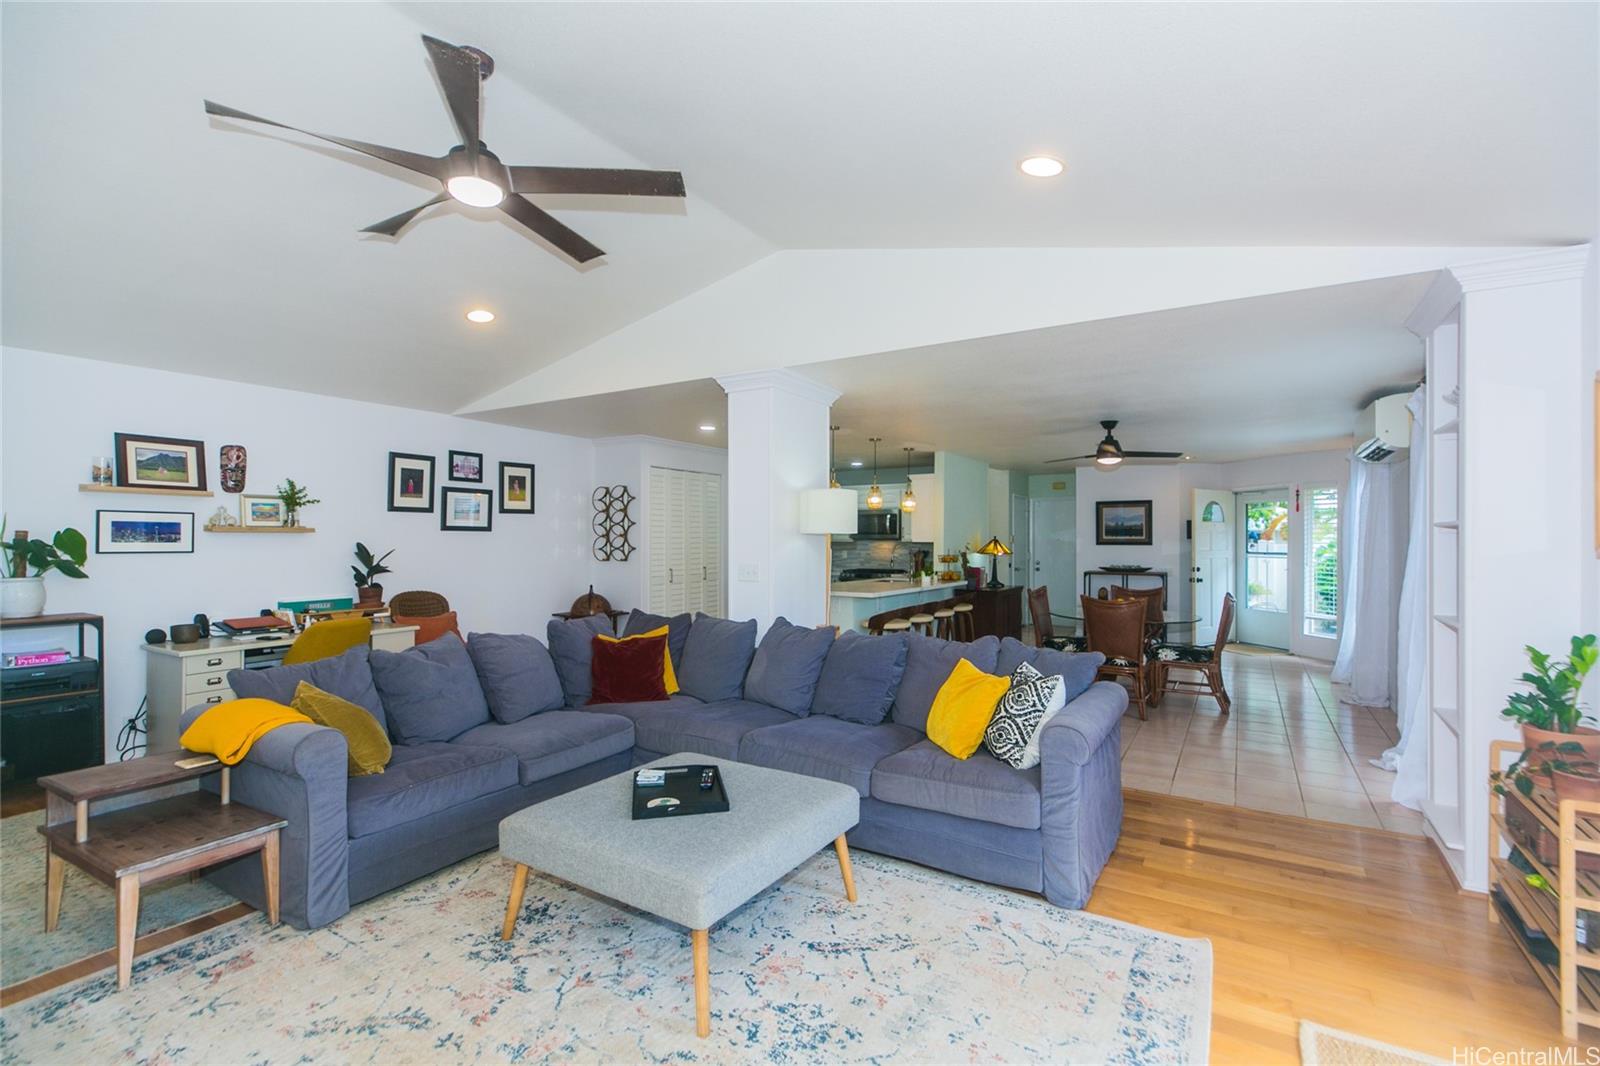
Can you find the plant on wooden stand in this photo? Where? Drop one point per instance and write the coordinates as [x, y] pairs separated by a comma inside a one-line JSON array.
[[1554, 737], [293, 497], [368, 591], [22, 593]]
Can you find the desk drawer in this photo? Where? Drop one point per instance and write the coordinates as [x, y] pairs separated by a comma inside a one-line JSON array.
[[210, 696], [213, 661], [196, 684]]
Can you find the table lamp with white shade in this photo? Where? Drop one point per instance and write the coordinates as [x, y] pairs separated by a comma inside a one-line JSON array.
[[825, 512]]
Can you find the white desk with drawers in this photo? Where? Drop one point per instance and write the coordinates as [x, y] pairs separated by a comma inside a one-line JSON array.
[[178, 676]]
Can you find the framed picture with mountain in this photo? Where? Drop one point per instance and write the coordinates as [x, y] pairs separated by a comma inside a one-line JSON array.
[[1122, 522], [172, 463]]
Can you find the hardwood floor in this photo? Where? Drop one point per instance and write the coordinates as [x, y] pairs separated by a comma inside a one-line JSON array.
[[1359, 929]]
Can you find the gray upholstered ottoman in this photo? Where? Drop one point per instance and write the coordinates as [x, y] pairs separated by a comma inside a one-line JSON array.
[[691, 870]]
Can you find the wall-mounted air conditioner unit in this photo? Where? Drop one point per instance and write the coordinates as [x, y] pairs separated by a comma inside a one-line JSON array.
[[1383, 430]]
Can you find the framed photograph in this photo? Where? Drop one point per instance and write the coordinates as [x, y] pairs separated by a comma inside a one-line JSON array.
[[516, 488], [410, 482], [143, 532], [160, 463], [259, 511], [1122, 522], [466, 510], [466, 466]]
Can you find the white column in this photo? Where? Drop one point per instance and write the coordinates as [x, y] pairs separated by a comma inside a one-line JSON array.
[[777, 447]]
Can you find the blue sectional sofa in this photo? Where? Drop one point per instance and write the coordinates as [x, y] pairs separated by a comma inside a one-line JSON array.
[[474, 748]]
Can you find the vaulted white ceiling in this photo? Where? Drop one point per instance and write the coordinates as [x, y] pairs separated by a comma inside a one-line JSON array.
[[136, 230]]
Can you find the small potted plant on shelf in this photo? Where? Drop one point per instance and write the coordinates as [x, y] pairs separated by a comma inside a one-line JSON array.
[[1550, 715], [293, 497], [22, 593], [368, 592]]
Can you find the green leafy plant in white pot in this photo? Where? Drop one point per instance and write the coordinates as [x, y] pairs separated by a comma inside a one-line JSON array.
[[22, 591]]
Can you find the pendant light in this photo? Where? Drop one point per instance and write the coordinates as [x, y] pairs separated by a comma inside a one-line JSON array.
[[875, 493], [833, 457], [908, 502]]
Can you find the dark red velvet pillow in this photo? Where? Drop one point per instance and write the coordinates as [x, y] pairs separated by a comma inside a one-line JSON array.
[[628, 671]]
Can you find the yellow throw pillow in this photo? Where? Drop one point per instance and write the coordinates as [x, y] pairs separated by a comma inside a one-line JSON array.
[[963, 707], [229, 729], [667, 675], [369, 746]]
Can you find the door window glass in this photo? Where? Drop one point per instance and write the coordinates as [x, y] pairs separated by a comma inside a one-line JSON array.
[[1266, 550]]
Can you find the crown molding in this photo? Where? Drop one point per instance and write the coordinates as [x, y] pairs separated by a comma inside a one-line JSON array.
[[1529, 268], [639, 439], [780, 381], [1437, 304]]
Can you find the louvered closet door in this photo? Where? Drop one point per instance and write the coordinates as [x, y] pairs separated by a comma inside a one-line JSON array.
[[677, 542], [694, 542], [656, 537], [711, 557]]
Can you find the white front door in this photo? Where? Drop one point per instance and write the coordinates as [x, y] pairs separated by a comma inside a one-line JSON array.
[[1053, 538], [1021, 550], [1263, 569], [1212, 573]]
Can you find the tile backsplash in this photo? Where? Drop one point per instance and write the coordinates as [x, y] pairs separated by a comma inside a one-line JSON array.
[[887, 554]]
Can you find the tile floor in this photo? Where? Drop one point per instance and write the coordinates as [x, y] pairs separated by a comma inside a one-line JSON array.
[[1289, 746]]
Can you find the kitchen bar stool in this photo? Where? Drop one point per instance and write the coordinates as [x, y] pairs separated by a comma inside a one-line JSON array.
[[923, 623], [895, 625], [944, 623], [961, 626]]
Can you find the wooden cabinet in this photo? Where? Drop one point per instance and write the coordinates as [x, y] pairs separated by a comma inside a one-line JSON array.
[[998, 612], [684, 541]]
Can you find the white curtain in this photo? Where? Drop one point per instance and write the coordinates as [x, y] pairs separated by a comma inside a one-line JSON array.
[[1374, 551], [1409, 758]]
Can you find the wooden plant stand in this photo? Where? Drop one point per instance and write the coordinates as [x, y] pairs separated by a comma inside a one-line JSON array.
[[1575, 980], [149, 842]]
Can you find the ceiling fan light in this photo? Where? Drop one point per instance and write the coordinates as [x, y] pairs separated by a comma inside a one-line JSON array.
[[475, 191], [1108, 459]]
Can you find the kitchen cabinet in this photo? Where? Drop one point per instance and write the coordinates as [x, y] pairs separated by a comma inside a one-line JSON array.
[[684, 539]]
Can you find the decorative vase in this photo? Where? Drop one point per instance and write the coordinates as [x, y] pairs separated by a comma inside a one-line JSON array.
[[234, 460], [1576, 786], [291, 519], [22, 597], [1533, 739]]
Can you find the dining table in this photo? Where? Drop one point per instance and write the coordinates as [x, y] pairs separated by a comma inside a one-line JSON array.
[[1158, 630]]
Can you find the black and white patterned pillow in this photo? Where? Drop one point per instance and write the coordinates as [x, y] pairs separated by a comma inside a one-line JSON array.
[[1031, 701]]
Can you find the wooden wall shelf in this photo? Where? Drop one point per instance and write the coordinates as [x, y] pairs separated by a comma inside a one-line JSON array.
[[141, 491], [259, 529]]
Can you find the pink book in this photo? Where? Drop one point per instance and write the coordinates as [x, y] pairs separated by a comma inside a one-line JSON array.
[[37, 658]]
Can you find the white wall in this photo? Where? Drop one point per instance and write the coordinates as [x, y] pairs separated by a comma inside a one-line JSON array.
[[1159, 484], [60, 412]]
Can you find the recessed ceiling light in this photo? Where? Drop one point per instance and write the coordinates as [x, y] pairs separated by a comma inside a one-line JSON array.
[[855, 462], [480, 315], [707, 427], [1041, 166], [1188, 457]]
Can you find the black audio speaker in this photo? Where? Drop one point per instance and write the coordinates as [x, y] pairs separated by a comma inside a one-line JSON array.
[[155, 636], [205, 625]]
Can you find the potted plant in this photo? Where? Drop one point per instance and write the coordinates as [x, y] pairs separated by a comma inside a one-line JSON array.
[[1576, 781], [22, 593], [1550, 716], [368, 592], [293, 497]]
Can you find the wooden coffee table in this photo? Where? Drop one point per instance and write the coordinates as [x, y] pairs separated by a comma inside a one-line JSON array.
[[147, 842]]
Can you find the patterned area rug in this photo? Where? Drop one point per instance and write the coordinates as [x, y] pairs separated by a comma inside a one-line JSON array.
[[88, 908], [926, 967], [1321, 1046]]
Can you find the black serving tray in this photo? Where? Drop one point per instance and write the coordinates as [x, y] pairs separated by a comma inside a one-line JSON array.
[[682, 785]]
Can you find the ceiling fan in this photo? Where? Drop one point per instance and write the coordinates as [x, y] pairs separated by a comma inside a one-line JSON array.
[[1110, 453], [472, 174]]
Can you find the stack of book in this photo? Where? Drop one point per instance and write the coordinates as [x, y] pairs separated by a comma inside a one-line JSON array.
[[14, 660]]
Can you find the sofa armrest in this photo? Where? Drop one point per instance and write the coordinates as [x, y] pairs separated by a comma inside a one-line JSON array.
[[1083, 725], [298, 772]]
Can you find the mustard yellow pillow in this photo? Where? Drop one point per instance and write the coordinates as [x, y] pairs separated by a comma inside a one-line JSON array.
[[667, 675], [369, 745], [963, 707]]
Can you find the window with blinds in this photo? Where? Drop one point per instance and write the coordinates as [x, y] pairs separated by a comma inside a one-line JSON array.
[[1322, 563]]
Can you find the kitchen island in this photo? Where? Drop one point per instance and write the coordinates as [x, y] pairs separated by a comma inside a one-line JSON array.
[[853, 602]]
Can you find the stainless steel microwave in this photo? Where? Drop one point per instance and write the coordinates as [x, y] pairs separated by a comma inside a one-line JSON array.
[[878, 525]]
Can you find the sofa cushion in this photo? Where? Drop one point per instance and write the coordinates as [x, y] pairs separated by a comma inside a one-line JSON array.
[[784, 670], [1031, 701], [824, 747], [348, 676], [677, 630], [366, 743], [715, 658], [571, 644], [860, 677], [982, 788], [431, 691], [1077, 668], [517, 675], [423, 779], [928, 665], [714, 729], [630, 670], [554, 742], [963, 709]]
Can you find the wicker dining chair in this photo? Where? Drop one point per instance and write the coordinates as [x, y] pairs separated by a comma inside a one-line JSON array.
[[1044, 627], [1206, 661], [418, 604], [1115, 629], [1155, 630]]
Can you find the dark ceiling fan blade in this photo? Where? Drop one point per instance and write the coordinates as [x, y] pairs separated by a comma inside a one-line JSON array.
[[1152, 455], [548, 228], [1070, 458], [391, 226], [462, 83], [422, 164], [596, 180]]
